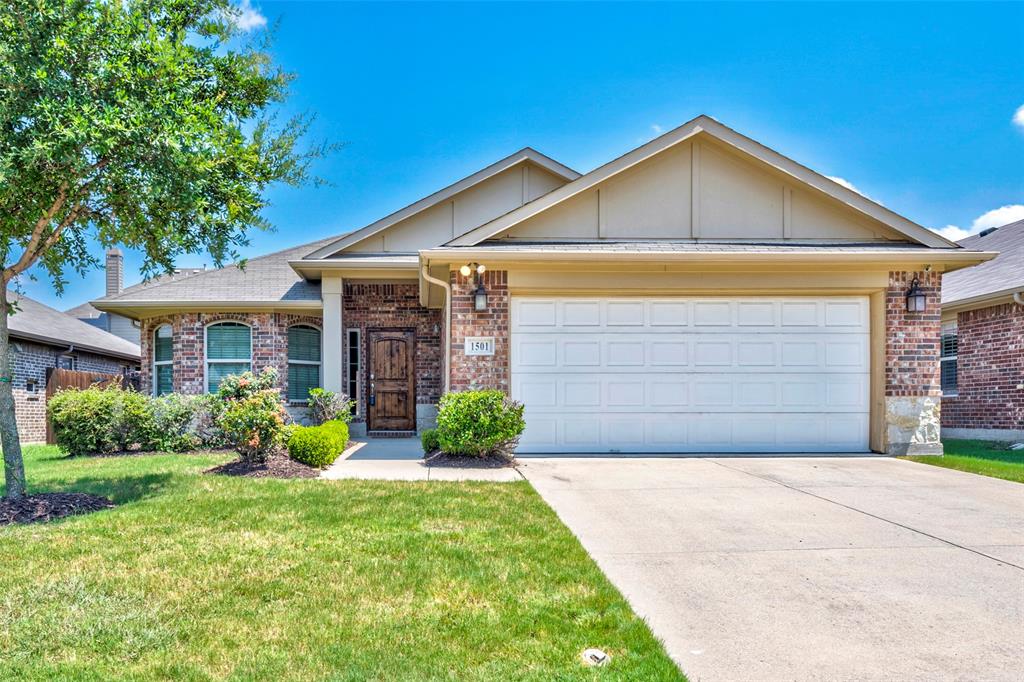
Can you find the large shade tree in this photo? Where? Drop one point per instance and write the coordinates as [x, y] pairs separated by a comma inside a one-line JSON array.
[[143, 123]]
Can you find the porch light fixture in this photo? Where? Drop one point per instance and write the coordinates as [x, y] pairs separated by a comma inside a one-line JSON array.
[[915, 298], [480, 293]]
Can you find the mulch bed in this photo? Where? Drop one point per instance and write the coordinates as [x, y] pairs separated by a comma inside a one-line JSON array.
[[278, 466], [439, 459], [49, 506]]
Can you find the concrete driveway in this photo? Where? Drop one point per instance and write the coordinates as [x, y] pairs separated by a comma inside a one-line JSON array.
[[802, 568]]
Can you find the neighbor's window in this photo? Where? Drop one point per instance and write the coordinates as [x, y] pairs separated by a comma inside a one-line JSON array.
[[948, 358], [228, 351], [352, 369], [163, 366], [303, 361]]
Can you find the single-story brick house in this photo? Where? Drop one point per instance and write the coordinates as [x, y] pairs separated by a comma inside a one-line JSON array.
[[699, 293], [43, 339], [983, 341]]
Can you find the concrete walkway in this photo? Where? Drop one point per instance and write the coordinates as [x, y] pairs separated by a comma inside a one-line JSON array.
[[776, 568], [401, 459]]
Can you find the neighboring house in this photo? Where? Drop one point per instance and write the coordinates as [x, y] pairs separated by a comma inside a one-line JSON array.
[[43, 339], [701, 293], [119, 325], [983, 341]]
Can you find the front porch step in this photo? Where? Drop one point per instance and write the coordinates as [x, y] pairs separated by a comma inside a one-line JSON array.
[[390, 434]]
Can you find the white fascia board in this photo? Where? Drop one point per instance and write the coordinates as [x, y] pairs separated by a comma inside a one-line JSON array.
[[521, 156], [726, 135]]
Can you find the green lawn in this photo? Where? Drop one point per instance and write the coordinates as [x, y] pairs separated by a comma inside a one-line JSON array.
[[201, 577], [980, 457]]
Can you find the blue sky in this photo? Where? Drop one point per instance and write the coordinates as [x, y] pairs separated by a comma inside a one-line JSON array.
[[913, 103]]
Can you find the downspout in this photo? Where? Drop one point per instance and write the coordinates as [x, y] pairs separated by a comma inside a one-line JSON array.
[[447, 322]]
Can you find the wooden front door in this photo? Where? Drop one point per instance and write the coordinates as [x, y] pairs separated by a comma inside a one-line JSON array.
[[392, 395]]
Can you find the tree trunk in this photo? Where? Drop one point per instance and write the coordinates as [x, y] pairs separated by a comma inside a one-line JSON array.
[[14, 465]]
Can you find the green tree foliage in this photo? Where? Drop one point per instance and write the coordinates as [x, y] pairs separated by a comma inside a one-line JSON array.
[[143, 123]]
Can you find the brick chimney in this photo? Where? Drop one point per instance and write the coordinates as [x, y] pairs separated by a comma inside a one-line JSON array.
[[115, 271]]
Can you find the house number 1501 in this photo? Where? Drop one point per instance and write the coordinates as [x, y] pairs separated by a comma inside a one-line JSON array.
[[479, 345]]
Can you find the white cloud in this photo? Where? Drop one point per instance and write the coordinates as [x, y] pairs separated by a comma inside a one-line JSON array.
[[249, 18], [1018, 116], [850, 186], [994, 218], [656, 129]]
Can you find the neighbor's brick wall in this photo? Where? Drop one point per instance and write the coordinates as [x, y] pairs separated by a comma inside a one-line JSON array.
[[990, 367], [912, 339], [31, 362], [474, 372], [396, 305], [269, 345]]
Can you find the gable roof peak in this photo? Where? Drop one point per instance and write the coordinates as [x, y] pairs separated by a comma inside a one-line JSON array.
[[706, 125]]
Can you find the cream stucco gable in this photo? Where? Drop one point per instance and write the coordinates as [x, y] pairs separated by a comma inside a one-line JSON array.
[[702, 181]]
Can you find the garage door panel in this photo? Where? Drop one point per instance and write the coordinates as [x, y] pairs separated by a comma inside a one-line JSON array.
[[692, 374], [709, 314], [741, 352]]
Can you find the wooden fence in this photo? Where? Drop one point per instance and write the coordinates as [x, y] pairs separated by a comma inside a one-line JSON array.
[[70, 378]]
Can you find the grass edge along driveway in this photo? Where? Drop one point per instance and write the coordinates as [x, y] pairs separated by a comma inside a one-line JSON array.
[[979, 457], [196, 577]]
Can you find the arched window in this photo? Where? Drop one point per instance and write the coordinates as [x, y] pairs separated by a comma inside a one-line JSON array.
[[228, 351], [163, 360], [303, 361]]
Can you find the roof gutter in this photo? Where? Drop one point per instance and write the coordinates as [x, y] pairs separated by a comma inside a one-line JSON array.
[[447, 322], [956, 257], [71, 347]]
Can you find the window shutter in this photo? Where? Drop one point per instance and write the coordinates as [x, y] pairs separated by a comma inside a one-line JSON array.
[[162, 342], [301, 378], [304, 343], [228, 341]]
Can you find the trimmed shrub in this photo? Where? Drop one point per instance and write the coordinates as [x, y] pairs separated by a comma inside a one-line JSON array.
[[84, 419], [254, 425], [206, 421], [430, 441], [325, 406], [133, 419], [318, 446], [479, 423]]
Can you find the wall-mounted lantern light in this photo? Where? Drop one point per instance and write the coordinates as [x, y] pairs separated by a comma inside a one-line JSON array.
[[915, 298], [480, 293]]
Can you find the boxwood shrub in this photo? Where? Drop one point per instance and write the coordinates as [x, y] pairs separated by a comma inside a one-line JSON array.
[[429, 441], [479, 423], [318, 446]]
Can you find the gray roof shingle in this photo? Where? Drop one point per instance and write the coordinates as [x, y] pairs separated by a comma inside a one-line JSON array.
[[1005, 271], [39, 322], [266, 278]]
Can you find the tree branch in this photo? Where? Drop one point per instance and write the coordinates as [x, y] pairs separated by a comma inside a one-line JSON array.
[[37, 234]]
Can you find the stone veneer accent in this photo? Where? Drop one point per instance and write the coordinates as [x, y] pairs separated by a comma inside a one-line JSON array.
[[912, 377], [990, 372], [478, 371], [31, 362], [269, 345], [396, 305]]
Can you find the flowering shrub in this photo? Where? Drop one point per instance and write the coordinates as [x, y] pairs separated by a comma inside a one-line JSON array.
[[246, 384], [254, 425], [325, 406]]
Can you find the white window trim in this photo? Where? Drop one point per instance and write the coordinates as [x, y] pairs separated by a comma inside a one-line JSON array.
[[318, 363], [349, 380], [161, 363], [206, 351], [947, 328]]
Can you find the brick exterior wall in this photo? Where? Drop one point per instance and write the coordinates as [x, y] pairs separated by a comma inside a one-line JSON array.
[[269, 345], [396, 305], [480, 371], [990, 370], [31, 362], [912, 339]]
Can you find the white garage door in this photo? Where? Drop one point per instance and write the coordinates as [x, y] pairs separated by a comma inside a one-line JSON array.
[[692, 374]]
